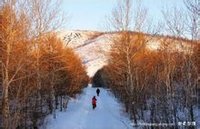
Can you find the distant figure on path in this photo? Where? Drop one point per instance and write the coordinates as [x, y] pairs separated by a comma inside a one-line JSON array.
[[98, 91], [94, 102]]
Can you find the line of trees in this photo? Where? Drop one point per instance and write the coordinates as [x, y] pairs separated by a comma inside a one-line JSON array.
[[38, 73], [155, 85], [156, 82]]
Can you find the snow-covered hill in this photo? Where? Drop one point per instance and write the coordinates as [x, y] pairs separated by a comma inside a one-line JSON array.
[[89, 45], [92, 46]]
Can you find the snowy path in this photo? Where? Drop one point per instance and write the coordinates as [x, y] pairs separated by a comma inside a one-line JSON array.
[[80, 115]]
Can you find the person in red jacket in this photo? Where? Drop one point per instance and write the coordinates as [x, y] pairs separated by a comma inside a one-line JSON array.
[[94, 102]]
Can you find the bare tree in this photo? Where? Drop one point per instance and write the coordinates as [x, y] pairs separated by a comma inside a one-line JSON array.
[[13, 33], [126, 46], [175, 21], [193, 20], [122, 16], [193, 6], [159, 80], [16, 29]]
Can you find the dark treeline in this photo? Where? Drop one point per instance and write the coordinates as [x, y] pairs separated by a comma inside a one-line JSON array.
[[97, 80], [38, 73]]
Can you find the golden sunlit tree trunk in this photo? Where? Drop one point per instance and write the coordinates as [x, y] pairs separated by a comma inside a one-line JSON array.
[[13, 35], [127, 44]]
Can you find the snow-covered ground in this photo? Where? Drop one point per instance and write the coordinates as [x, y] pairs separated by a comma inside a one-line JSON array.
[[80, 115]]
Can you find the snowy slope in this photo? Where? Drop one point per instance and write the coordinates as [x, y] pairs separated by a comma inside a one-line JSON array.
[[80, 115], [93, 53], [91, 46]]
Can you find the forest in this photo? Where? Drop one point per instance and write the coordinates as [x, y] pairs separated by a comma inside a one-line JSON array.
[[38, 73], [155, 85]]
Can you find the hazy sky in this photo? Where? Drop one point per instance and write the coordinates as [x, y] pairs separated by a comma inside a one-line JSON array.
[[91, 14]]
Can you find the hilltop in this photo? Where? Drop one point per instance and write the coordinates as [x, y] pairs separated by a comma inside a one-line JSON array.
[[92, 46]]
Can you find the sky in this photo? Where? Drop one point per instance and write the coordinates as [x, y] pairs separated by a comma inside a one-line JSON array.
[[91, 14]]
